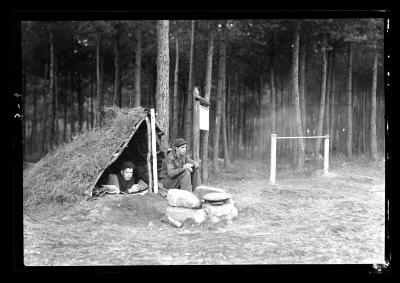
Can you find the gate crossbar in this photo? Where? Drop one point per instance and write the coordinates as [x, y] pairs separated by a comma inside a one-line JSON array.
[[274, 138]]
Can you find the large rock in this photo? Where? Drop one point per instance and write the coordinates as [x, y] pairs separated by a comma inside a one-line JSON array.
[[226, 211], [181, 214], [200, 191], [217, 197], [182, 198]]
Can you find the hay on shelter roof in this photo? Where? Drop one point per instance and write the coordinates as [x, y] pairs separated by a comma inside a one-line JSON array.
[[67, 172]]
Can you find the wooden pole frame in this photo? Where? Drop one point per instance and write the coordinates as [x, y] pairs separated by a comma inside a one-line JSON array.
[[154, 150], [199, 101], [274, 138], [273, 158], [196, 126], [326, 155], [149, 143]]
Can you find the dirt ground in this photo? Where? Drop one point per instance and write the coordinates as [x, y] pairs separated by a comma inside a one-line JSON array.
[[305, 218]]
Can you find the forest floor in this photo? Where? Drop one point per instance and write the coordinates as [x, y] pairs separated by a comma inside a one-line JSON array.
[[305, 218]]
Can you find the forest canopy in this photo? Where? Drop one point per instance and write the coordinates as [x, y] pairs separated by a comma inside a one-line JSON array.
[[261, 76]]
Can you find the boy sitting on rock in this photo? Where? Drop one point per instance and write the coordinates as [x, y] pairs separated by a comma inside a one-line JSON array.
[[178, 171]]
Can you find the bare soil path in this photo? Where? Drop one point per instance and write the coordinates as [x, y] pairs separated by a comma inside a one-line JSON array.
[[303, 218]]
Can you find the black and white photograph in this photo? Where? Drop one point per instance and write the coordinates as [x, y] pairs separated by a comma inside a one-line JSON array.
[[203, 139]]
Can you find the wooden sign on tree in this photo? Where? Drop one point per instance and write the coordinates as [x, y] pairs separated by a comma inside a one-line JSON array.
[[200, 120], [204, 118]]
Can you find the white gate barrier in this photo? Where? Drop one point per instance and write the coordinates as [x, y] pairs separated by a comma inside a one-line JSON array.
[[274, 138]]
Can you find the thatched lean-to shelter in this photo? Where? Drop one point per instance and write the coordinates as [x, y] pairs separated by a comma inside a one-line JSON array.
[[70, 171]]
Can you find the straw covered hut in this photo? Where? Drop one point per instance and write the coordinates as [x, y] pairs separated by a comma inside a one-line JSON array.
[[71, 170]]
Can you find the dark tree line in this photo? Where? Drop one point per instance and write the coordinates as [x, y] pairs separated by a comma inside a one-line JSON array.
[[289, 77]]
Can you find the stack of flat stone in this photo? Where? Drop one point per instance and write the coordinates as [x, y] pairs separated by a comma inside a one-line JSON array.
[[216, 198], [184, 205], [204, 202], [217, 203]]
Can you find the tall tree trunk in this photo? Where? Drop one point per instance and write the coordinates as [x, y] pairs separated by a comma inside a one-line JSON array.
[[91, 100], [349, 137], [260, 124], [244, 126], [87, 116], [195, 131], [302, 82], [364, 111], [223, 124], [378, 123], [175, 117], [273, 104], [80, 103], [150, 90], [273, 100], [357, 128], [44, 136], [220, 87], [240, 119], [292, 119], [65, 115], [72, 104], [374, 148], [51, 88], [296, 96], [342, 129], [286, 119], [282, 118], [154, 87], [33, 141], [44, 139], [24, 117], [55, 104], [323, 94], [196, 126], [382, 123], [117, 99], [361, 130], [237, 117], [162, 92], [360, 118], [232, 124], [253, 108], [138, 65], [328, 94], [182, 103], [189, 105], [266, 128], [338, 127], [99, 92], [228, 111], [207, 94], [354, 114], [332, 107]]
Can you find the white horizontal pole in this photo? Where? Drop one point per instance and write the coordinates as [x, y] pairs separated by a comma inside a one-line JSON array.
[[315, 137]]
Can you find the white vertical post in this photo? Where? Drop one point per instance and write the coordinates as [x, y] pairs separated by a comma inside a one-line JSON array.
[[154, 150], [273, 159], [326, 155]]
